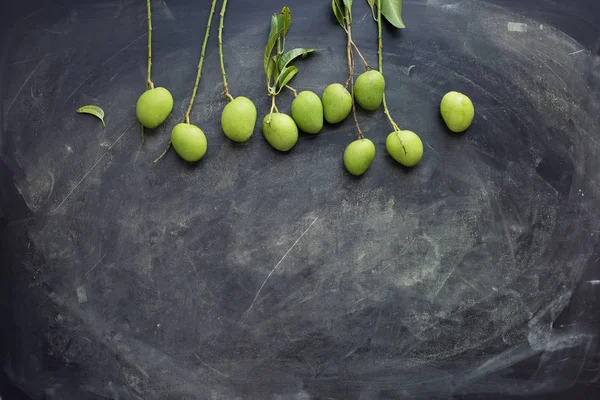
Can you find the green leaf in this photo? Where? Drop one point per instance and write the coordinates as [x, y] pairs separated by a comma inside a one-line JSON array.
[[348, 4], [288, 56], [271, 70], [287, 20], [337, 11], [93, 110], [277, 27], [392, 11], [286, 75]]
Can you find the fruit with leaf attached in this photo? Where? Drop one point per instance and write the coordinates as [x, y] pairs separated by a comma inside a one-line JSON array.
[[280, 130], [457, 111], [238, 119], [153, 107], [405, 147], [337, 103], [358, 156], [307, 112], [368, 90], [188, 141]]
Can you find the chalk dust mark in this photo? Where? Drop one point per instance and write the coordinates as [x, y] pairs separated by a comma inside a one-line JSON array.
[[93, 166], [95, 265], [277, 265], [576, 52], [78, 87], [23, 85], [124, 48], [209, 367]]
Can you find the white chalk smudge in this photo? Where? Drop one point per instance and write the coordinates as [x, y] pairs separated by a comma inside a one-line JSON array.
[[516, 27], [81, 295]]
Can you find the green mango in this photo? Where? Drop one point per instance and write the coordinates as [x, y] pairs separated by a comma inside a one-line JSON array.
[[358, 156], [153, 107], [405, 147], [457, 111], [238, 119], [337, 103], [281, 132], [307, 112], [368, 90], [188, 141]]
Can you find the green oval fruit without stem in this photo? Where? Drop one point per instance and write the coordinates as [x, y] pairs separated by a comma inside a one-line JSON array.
[[405, 147], [281, 132], [457, 111], [368, 90], [188, 141], [358, 156], [153, 107], [307, 112], [238, 119], [337, 103]]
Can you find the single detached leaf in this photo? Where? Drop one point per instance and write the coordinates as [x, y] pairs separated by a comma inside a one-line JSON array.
[[288, 56], [94, 110], [286, 76], [392, 11], [337, 11], [277, 27], [287, 20]]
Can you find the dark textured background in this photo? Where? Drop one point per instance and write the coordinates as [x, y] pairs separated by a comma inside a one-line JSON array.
[[260, 275]]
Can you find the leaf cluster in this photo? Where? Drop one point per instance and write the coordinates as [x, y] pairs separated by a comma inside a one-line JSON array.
[[277, 61]]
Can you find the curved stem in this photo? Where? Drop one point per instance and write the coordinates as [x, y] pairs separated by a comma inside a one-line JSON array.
[[380, 59], [358, 131], [228, 96], [199, 70], [294, 91], [273, 107], [163, 153]]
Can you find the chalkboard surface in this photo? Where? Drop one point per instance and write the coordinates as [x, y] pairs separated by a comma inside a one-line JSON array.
[[254, 274]]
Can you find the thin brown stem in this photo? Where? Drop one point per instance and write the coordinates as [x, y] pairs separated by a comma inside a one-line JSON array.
[[273, 108], [149, 72], [199, 69], [163, 153], [380, 59], [367, 66], [228, 96], [294, 91]]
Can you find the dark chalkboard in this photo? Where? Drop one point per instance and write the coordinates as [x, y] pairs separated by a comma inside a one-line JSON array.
[[254, 274]]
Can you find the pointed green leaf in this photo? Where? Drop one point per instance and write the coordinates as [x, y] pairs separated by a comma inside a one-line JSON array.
[[392, 11], [270, 70], [277, 27], [348, 4], [286, 76], [93, 110], [288, 56], [287, 20], [337, 11]]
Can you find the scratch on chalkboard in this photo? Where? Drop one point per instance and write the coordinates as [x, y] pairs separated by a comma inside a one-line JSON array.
[[209, 367], [277, 265]]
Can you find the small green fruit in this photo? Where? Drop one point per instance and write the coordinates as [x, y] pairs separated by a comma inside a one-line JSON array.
[[307, 112], [188, 141], [238, 119], [358, 156], [337, 103], [281, 132], [153, 107], [404, 147], [457, 111], [368, 90]]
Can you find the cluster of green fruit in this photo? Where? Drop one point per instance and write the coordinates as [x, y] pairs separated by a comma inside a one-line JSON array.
[[308, 114]]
